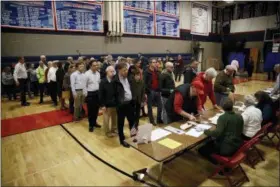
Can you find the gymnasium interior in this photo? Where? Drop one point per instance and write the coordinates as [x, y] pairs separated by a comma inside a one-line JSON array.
[[43, 145]]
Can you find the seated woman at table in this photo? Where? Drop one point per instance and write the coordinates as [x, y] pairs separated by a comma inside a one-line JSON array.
[[252, 118], [265, 104], [227, 134], [276, 87], [182, 103]]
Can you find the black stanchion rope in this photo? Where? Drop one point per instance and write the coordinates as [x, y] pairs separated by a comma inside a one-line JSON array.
[[103, 161]]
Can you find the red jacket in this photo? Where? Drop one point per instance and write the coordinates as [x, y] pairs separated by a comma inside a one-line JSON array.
[[208, 91]]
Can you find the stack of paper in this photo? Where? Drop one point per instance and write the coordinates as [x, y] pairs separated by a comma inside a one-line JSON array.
[[203, 126], [174, 130], [240, 108], [214, 119], [159, 133], [193, 132], [198, 130], [268, 90], [275, 97], [171, 144]]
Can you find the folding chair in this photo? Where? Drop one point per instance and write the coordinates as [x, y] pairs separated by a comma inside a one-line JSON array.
[[252, 158], [260, 135], [234, 162]]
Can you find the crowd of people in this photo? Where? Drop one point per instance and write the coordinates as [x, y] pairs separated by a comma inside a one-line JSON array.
[[122, 88]]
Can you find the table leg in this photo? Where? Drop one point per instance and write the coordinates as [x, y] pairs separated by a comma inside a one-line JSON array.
[[160, 171], [145, 171]]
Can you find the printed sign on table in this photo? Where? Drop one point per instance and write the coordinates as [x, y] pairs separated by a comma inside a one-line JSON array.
[[167, 26], [170, 7], [79, 16], [199, 20], [27, 14], [136, 22]]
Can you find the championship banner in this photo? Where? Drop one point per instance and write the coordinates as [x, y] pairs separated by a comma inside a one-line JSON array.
[[199, 20]]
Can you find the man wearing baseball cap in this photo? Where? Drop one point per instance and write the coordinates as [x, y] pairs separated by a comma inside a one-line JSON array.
[[182, 103]]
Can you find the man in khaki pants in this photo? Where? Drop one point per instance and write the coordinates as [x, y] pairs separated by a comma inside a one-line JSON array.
[[108, 102], [78, 86]]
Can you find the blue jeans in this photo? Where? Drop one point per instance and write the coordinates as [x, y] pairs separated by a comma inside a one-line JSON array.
[[154, 96], [220, 97]]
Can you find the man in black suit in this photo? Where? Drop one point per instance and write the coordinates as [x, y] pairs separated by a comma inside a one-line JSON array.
[[191, 71]]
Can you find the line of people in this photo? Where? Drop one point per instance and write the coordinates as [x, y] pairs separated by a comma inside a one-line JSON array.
[[122, 88]]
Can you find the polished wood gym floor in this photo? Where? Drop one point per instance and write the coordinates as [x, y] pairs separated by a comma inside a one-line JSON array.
[[50, 157]]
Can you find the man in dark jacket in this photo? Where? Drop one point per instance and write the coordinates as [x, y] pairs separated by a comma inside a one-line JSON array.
[[107, 99], [223, 86], [183, 102], [138, 93], [105, 64], [59, 79], [227, 135], [191, 71], [124, 100], [151, 79], [179, 66], [167, 86]]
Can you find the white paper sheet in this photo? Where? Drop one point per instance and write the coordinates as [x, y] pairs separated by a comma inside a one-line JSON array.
[[174, 130], [159, 133], [268, 90], [215, 118], [203, 126], [193, 132], [240, 108]]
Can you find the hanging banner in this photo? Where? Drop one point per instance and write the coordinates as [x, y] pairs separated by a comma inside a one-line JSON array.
[[79, 16], [167, 26], [199, 20], [27, 14], [136, 22], [169, 7], [142, 5]]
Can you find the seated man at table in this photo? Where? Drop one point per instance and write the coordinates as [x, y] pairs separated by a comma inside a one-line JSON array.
[[182, 103], [206, 78], [223, 86], [252, 118], [227, 134]]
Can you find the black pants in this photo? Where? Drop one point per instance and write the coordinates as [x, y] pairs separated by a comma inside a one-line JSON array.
[[143, 111], [178, 73], [273, 78], [35, 87], [154, 96], [93, 108], [23, 89], [10, 91], [250, 73], [246, 138], [234, 74], [53, 91], [71, 102], [42, 87], [210, 148], [125, 110], [137, 113]]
